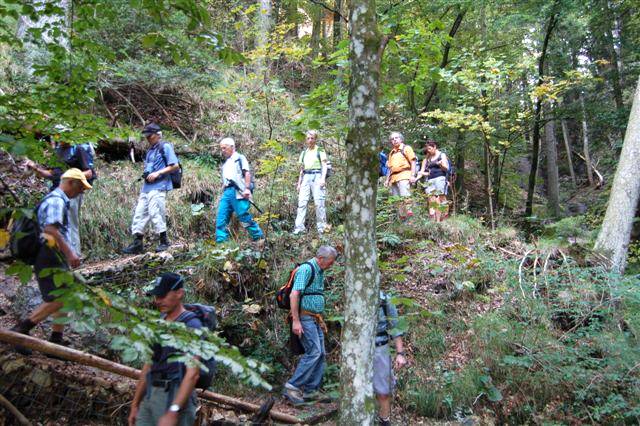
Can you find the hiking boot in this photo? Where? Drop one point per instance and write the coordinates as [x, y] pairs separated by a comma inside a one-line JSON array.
[[293, 394], [384, 422], [259, 244], [163, 245], [134, 248], [316, 396]]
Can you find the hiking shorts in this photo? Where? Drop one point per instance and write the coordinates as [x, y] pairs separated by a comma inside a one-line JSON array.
[[437, 186], [401, 188], [48, 258], [383, 379]]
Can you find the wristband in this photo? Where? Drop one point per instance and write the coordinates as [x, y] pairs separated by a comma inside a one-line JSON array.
[[401, 353]]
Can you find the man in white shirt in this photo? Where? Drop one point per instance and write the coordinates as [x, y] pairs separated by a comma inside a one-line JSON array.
[[237, 184], [312, 180]]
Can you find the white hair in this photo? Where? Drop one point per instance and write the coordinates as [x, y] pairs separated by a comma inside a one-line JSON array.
[[327, 252], [394, 134], [228, 142], [313, 133]]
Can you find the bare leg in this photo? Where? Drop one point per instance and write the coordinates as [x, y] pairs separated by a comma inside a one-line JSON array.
[[384, 406], [44, 310]]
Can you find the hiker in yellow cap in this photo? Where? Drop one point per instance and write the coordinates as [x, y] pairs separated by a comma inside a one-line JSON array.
[[55, 250]]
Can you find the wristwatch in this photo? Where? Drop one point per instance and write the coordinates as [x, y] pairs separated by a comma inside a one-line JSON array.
[[174, 408], [400, 353]]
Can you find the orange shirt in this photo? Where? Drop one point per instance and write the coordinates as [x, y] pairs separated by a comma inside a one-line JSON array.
[[399, 163]]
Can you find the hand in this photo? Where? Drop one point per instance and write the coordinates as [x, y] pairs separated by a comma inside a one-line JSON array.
[[386, 183], [152, 177], [246, 193], [132, 415], [322, 183], [400, 361], [442, 164], [30, 164], [170, 418], [297, 328], [73, 260], [412, 180]]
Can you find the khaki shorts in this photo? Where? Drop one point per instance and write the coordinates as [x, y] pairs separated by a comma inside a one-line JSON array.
[[437, 186], [401, 188]]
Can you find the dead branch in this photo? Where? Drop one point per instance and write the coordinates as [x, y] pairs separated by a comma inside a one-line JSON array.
[[13, 410], [169, 117], [330, 9], [520, 272], [598, 174], [135, 110]]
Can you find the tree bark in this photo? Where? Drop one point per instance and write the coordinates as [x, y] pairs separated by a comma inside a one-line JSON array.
[[316, 30], [362, 277], [528, 210], [614, 236], [337, 25], [488, 191], [567, 147], [264, 25], [585, 141], [553, 185]]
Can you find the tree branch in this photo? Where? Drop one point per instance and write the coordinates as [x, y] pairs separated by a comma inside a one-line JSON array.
[[330, 9], [13, 410]]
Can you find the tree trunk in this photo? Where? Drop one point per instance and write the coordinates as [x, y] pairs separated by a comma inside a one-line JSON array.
[[553, 185], [362, 277], [486, 164], [613, 239], [291, 10], [585, 141], [567, 147], [528, 210], [262, 36], [316, 30], [337, 25]]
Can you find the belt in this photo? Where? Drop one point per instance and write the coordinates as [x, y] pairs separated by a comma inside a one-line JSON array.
[[400, 171], [312, 172], [166, 384], [318, 318], [382, 343]]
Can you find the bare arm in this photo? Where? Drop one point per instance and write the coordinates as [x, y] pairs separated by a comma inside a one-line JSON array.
[[295, 312], [67, 251], [401, 359], [169, 169], [141, 388], [40, 171]]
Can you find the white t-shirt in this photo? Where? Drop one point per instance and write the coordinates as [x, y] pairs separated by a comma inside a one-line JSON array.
[[232, 171]]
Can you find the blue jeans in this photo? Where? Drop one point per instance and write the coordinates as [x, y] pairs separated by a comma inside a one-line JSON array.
[[308, 374], [229, 204]]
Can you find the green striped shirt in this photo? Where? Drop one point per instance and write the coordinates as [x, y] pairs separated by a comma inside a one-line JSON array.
[[311, 303]]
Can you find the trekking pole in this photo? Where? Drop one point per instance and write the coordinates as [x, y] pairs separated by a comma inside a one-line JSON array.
[[235, 185]]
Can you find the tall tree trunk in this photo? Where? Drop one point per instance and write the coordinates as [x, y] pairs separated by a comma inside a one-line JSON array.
[[567, 147], [264, 25], [585, 141], [291, 8], [362, 277], [528, 210], [460, 171], [553, 184], [316, 30], [486, 164], [337, 25], [614, 236]]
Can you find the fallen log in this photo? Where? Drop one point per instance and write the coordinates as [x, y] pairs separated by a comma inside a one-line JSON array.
[[84, 358]]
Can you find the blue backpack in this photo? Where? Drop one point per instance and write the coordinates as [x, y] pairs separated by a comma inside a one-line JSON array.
[[383, 170]]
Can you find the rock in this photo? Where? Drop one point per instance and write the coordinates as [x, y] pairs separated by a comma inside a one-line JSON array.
[[41, 378], [576, 209]]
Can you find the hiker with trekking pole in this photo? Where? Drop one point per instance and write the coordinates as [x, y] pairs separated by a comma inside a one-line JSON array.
[[237, 181]]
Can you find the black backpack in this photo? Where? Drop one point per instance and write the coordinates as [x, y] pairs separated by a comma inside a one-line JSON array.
[[176, 177], [207, 316], [24, 241]]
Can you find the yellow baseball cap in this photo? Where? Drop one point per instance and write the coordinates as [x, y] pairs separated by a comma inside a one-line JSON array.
[[78, 175]]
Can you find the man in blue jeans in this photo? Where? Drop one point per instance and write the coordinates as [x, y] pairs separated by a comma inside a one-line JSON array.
[[307, 307], [236, 180]]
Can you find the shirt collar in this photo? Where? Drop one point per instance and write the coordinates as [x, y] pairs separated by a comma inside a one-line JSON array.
[[61, 193]]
